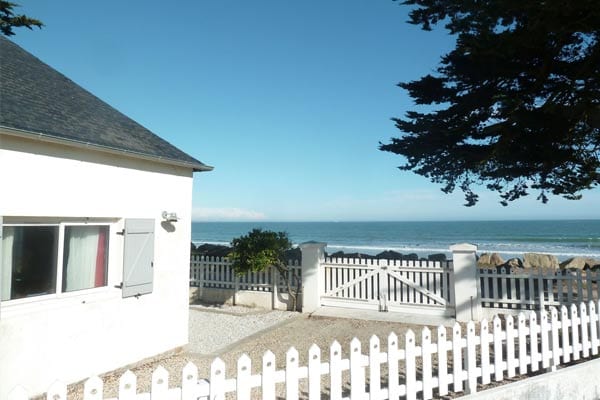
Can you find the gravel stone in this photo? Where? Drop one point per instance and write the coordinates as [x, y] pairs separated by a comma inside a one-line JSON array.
[[212, 331]]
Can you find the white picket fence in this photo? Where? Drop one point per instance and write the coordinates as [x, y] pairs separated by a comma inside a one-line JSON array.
[[396, 285], [216, 273], [536, 288], [425, 367]]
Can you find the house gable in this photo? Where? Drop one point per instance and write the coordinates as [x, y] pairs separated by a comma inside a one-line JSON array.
[[77, 173]]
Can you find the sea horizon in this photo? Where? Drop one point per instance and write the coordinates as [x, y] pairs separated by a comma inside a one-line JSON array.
[[390, 221], [563, 238]]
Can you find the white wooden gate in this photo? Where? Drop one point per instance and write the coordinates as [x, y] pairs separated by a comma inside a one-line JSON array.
[[389, 285]]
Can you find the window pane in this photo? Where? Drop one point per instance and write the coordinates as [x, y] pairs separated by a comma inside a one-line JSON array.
[[85, 257], [28, 264]]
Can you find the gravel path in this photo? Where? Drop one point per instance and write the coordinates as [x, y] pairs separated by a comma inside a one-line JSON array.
[[215, 328], [228, 332]]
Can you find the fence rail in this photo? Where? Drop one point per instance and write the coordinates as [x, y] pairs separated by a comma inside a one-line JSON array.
[[536, 288], [429, 365], [398, 285], [217, 273]]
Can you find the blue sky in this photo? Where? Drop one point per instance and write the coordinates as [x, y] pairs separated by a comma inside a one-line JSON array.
[[287, 100]]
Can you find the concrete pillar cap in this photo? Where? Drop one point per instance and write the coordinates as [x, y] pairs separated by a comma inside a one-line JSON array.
[[463, 247], [312, 243]]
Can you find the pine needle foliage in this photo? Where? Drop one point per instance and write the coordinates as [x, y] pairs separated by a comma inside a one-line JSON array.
[[515, 106], [8, 19]]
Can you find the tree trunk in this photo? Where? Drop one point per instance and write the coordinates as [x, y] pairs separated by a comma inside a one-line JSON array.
[[289, 275]]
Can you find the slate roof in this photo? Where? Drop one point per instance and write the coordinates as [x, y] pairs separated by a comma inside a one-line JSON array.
[[38, 100]]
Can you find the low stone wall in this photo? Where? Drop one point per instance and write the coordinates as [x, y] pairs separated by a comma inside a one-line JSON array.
[[248, 298], [575, 382]]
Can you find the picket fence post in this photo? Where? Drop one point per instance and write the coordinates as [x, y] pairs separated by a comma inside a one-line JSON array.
[[217, 380], [393, 357], [160, 382], [457, 359], [127, 386], [593, 328], [442, 344], [268, 376], [471, 359], [410, 365], [511, 361], [93, 389], [545, 332], [584, 322], [314, 372], [556, 351], [499, 365], [522, 337], [291, 374], [335, 371], [189, 381], [575, 322], [427, 368], [374, 368], [357, 372], [534, 329], [566, 347], [485, 352], [244, 374]]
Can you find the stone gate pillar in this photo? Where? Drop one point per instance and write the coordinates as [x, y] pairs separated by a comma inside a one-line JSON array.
[[313, 254], [466, 283]]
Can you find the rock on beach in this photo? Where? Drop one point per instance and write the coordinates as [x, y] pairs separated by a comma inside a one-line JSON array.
[[488, 260], [536, 260], [580, 263], [513, 263]]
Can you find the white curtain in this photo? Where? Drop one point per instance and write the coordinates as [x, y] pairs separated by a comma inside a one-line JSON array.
[[6, 263], [80, 265]]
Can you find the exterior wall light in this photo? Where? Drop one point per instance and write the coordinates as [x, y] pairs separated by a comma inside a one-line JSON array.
[[169, 217]]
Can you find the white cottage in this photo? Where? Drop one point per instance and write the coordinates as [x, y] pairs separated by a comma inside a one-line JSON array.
[[95, 222]]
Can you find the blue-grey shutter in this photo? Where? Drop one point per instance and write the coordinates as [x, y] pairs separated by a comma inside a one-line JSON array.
[[138, 257]]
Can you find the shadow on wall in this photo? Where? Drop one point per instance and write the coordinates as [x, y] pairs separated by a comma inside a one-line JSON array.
[[168, 226]]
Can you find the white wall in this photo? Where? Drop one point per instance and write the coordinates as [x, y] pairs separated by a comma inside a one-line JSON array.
[[75, 335]]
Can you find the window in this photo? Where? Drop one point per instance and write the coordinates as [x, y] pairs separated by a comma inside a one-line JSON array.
[[45, 259], [29, 255], [85, 257]]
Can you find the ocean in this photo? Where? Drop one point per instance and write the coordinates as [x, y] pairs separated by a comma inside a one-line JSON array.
[[563, 238]]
